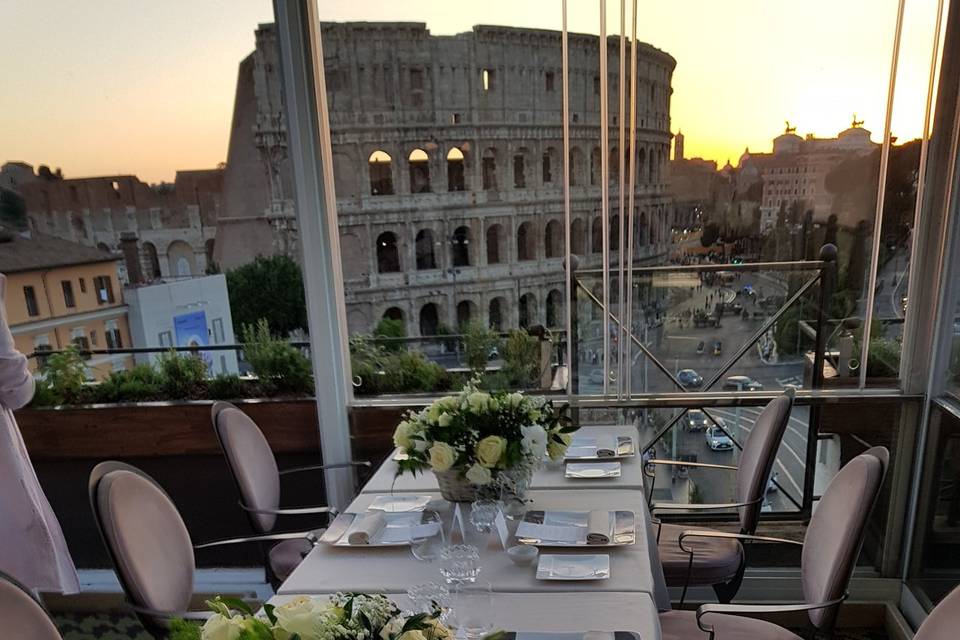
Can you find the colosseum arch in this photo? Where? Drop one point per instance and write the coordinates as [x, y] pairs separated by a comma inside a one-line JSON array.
[[526, 243], [613, 169], [380, 167], [394, 313], [596, 235], [495, 313], [528, 310], [553, 239], [521, 162], [641, 164], [460, 247], [652, 165], [576, 166], [429, 319], [151, 260], [424, 246], [555, 309], [614, 237], [419, 164], [578, 237], [345, 175], [180, 259], [388, 253], [550, 169], [595, 167], [488, 167], [456, 170], [466, 313], [496, 251]]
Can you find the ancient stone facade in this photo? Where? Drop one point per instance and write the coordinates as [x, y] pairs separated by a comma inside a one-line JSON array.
[[172, 226]]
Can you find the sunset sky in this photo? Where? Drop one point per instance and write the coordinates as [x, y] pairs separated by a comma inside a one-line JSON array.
[[146, 88]]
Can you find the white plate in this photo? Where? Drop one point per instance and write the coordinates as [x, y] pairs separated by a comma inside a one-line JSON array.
[[573, 567], [593, 470], [399, 530], [569, 529], [584, 447], [399, 503]]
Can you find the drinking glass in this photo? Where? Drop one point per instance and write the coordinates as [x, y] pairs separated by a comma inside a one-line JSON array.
[[429, 598], [428, 549], [473, 610], [460, 563], [483, 513]]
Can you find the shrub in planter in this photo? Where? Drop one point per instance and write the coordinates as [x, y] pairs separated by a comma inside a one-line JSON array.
[[389, 328], [478, 342], [521, 358], [225, 387], [63, 376], [183, 376], [275, 361], [140, 384]]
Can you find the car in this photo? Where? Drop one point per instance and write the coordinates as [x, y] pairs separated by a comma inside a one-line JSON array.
[[717, 348], [697, 420], [596, 376], [742, 383], [494, 354], [689, 378], [717, 440], [700, 347]]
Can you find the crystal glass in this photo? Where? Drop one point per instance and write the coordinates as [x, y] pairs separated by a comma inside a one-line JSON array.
[[428, 549], [473, 610], [460, 563], [483, 513], [429, 598]]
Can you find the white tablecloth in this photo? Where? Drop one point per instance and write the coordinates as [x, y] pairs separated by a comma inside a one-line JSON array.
[[329, 569], [566, 612], [385, 480]]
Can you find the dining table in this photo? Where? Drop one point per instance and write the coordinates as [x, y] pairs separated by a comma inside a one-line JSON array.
[[627, 600]]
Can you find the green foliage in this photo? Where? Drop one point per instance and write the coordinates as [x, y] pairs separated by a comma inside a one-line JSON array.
[[63, 376], [521, 358], [225, 386], [883, 359], [140, 384], [183, 374], [390, 328], [13, 209], [787, 331], [478, 341], [381, 371], [275, 361], [183, 630], [270, 289]]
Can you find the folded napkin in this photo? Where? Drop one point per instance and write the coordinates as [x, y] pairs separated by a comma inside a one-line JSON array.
[[598, 527], [367, 529], [606, 446]]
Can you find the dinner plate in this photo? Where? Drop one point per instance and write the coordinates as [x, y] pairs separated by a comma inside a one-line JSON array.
[[573, 567], [592, 470], [399, 503], [399, 530], [569, 529], [585, 448]]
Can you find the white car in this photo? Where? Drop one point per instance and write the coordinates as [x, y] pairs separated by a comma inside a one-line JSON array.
[[742, 383], [717, 440]]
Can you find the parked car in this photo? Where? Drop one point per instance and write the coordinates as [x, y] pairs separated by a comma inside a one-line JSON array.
[[717, 440], [700, 347], [742, 383], [697, 420], [717, 348], [689, 378]]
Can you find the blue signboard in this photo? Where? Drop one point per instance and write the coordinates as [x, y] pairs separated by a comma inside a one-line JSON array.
[[191, 331]]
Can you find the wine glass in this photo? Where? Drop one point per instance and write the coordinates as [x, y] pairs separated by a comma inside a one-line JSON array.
[[459, 563], [428, 549], [473, 610]]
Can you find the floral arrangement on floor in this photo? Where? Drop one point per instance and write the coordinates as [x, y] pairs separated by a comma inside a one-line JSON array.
[[479, 435], [346, 616]]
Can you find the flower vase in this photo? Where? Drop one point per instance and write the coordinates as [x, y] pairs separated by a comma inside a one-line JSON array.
[[454, 486]]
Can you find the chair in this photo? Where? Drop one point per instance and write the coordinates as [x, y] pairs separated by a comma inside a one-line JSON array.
[[830, 549], [720, 562], [23, 617], [944, 621], [255, 472], [149, 545]]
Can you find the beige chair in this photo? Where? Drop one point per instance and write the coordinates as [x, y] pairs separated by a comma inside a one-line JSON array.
[[830, 550], [720, 562], [23, 617], [255, 472], [943, 623], [149, 545]]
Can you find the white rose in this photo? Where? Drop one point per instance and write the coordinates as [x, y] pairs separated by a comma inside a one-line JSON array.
[[444, 420], [218, 627], [442, 456], [391, 629], [301, 616], [514, 399], [478, 474], [419, 445], [534, 441], [401, 437], [478, 401]]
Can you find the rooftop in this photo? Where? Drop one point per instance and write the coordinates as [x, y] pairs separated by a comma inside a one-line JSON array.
[[30, 251]]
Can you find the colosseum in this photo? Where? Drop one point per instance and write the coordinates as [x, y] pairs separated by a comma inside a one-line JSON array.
[[448, 168]]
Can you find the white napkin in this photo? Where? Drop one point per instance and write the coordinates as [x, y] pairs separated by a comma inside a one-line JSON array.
[[598, 527], [606, 446], [547, 532], [367, 528]]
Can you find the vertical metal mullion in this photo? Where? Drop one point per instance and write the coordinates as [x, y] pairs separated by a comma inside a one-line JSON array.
[[631, 187], [881, 189], [621, 336], [565, 74], [605, 195]]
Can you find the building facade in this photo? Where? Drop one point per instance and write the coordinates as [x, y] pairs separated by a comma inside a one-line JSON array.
[[172, 226], [448, 165], [61, 293]]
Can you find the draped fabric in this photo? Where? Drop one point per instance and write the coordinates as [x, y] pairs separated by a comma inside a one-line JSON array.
[[33, 549]]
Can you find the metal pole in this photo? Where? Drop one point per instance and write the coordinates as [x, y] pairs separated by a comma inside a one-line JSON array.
[[632, 185], [605, 194], [572, 355], [621, 338]]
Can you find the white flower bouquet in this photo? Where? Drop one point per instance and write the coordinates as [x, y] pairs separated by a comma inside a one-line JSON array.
[[481, 436], [346, 616]]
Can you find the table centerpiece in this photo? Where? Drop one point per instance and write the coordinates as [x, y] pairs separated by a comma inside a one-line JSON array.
[[483, 444]]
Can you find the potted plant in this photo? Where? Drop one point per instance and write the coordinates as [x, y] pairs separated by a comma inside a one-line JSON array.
[[475, 439]]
